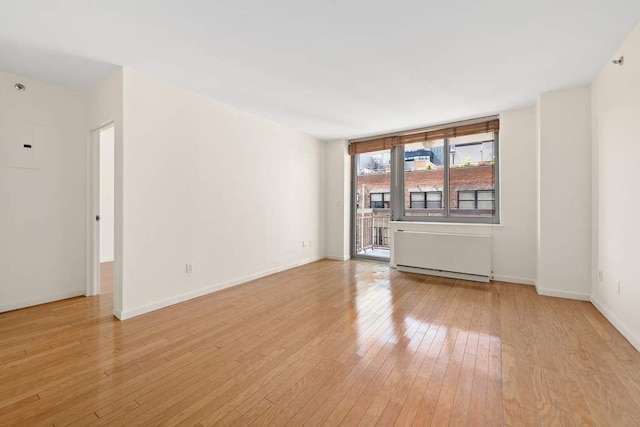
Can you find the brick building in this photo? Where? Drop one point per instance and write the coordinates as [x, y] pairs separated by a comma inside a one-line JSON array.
[[472, 183]]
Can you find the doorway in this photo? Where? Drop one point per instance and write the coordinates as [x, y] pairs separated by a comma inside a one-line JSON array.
[[106, 142], [371, 205], [102, 211]]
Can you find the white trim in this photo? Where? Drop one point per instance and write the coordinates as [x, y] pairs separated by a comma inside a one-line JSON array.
[[439, 273], [563, 294], [448, 224], [93, 208], [110, 259], [127, 314], [41, 300], [338, 257], [512, 279], [93, 234], [498, 278], [633, 340]]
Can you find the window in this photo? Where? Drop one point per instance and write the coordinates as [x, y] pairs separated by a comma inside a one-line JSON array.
[[423, 178], [446, 173], [417, 201], [472, 176], [380, 200], [476, 199], [425, 200]]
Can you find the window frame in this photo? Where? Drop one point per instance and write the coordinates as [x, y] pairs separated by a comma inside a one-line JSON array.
[[398, 209], [354, 191]]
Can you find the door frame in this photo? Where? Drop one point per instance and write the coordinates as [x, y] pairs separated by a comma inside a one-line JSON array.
[[93, 209], [353, 211]]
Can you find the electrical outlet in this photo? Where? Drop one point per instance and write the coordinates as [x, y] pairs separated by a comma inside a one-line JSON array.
[[304, 244], [188, 268]]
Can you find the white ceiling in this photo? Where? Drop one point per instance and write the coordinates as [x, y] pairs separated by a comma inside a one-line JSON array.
[[329, 68]]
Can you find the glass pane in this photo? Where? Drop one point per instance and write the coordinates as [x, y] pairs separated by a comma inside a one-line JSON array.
[[485, 195], [434, 205], [472, 175], [467, 205], [424, 172], [373, 184], [434, 195], [417, 201], [466, 195]]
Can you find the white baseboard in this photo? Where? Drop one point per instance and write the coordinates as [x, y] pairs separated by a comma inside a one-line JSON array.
[[40, 300], [338, 257], [128, 314], [449, 274], [633, 340], [513, 279], [563, 294], [106, 260]]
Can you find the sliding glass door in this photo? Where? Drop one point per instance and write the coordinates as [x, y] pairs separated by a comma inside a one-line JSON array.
[[371, 213]]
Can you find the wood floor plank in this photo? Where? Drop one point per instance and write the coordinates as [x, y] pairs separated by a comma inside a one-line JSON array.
[[349, 343]]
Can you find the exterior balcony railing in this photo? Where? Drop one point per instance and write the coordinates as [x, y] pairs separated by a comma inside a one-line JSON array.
[[372, 229]]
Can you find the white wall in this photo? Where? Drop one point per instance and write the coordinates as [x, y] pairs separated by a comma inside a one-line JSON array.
[[42, 201], [337, 197], [107, 140], [231, 193], [616, 229], [564, 193], [514, 246]]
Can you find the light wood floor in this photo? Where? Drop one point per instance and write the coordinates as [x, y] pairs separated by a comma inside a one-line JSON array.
[[328, 343], [106, 278]]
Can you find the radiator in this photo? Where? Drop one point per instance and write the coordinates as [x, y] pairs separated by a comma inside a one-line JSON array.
[[465, 256]]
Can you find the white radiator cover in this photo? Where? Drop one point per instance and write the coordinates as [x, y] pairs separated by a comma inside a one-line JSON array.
[[465, 256]]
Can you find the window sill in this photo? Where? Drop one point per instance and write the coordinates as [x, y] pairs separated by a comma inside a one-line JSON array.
[[444, 223]]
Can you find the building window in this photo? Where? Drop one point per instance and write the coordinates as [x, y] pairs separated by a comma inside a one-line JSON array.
[[476, 199], [380, 200], [425, 200]]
